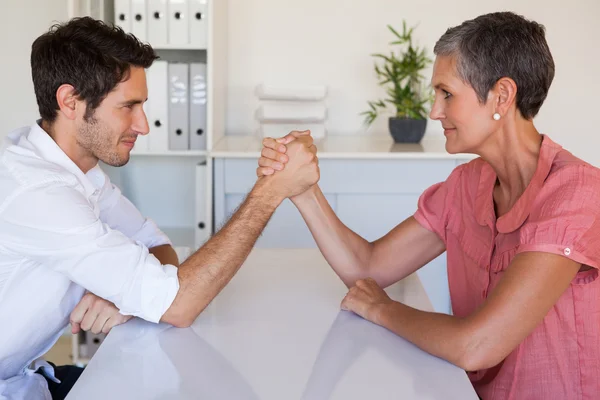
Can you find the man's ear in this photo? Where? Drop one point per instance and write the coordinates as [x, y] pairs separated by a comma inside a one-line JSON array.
[[67, 101]]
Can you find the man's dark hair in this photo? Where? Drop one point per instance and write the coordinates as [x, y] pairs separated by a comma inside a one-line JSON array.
[[88, 54]]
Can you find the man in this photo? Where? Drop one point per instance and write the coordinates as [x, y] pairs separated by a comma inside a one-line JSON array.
[[65, 229]]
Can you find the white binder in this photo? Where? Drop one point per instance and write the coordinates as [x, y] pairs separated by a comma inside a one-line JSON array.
[[197, 106], [139, 19], [158, 107], [203, 226], [157, 22], [123, 14], [198, 23], [179, 133], [179, 30]]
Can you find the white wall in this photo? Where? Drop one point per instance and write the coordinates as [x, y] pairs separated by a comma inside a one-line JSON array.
[[330, 42], [21, 21]]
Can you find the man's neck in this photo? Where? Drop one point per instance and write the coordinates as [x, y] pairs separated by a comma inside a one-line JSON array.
[[65, 139]]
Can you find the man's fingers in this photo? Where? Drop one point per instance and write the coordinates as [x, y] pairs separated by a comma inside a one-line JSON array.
[[88, 320], [290, 137], [274, 155], [75, 328], [264, 171], [267, 162], [274, 145], [99, 323], [115, 320], [80, 309]]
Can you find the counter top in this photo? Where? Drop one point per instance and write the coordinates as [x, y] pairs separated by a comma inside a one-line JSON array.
[[344, 147], [275, 332]]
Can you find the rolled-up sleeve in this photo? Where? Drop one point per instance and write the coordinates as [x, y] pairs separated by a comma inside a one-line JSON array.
[[67, 236]]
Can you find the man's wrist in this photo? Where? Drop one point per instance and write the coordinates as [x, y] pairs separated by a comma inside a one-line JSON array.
[[265, 190]]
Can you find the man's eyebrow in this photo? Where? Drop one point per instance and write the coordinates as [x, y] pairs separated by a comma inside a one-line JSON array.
[[132, 102]]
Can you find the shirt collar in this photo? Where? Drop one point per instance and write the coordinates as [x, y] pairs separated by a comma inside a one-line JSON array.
[[516, 216], [48, 150]]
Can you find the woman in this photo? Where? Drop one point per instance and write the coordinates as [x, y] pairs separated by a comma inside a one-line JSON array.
[[519, 225]]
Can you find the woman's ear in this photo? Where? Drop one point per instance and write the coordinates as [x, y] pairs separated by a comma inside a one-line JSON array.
[[505, 95]]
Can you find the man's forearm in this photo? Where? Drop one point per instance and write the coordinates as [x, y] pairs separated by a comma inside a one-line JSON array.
[[346, 252], [165, 254], [204, 274]]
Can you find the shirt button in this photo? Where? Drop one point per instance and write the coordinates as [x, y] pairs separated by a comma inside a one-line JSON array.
[[567, 251]]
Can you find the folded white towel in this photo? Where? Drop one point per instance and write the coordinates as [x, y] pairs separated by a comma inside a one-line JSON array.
[[278, 130], [295, 93], [287, 112]]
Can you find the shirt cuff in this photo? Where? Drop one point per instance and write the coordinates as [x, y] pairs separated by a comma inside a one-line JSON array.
[[150, 235]]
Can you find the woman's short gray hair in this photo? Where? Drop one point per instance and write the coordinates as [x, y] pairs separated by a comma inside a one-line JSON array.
[[498, 45]]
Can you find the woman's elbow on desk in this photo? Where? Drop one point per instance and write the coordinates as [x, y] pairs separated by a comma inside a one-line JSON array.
[[481, 353]]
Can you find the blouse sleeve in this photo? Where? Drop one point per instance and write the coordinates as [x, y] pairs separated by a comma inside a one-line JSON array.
[[435, 203], [565, 218]]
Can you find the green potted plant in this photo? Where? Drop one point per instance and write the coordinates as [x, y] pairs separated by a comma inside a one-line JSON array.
[[401, 74]]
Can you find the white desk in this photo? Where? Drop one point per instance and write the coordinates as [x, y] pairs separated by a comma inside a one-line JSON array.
[[275, 333]]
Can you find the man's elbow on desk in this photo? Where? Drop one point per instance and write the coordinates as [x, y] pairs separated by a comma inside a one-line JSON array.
[[180, 317]]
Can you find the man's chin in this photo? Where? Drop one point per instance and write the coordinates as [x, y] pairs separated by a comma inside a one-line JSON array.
[[117, 162]]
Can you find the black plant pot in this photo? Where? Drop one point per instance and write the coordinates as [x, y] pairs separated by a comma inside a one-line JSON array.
[[406, 130]]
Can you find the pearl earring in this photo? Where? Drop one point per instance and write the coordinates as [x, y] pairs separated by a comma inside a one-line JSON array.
[[497, 116]]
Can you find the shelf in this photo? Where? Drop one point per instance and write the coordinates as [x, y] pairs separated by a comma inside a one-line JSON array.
[[172, 153], [344, 147], [178, 47]]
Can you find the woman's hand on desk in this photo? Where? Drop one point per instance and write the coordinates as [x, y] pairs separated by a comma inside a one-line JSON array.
[[366, 298], [96, 314]]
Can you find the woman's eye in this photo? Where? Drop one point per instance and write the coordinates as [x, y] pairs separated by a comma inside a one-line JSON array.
[[446, 94]]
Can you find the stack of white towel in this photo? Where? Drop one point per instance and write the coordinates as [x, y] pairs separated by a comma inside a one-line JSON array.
[[287, 108]]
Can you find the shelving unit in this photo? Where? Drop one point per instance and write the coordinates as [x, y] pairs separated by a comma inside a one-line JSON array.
[[163, 184]]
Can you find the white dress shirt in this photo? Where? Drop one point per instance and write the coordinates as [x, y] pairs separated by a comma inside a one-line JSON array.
[[63, 232]]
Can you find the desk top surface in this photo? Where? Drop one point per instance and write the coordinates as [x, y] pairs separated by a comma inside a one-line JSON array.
[[275, 333]]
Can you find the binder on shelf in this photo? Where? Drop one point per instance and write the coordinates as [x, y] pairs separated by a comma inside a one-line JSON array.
[[294, 93], [158, 106], [179, 133], [317, 131], [202, 224], [198, 23], [197, 111], [123, 14], [157, 22], [287, 112], [139, 20], [178, 23]]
